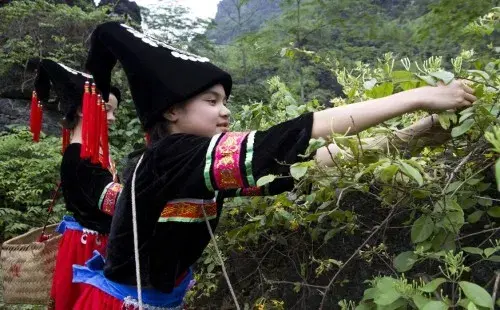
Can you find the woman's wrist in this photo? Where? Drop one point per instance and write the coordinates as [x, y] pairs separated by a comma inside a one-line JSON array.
[[421, 97]]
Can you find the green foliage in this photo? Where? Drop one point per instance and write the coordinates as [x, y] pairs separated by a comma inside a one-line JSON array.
[[442, 198], [44, 29], [29, 173]]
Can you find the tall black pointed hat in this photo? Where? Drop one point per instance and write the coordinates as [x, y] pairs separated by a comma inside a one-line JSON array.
[[67, 83], [159, 75]]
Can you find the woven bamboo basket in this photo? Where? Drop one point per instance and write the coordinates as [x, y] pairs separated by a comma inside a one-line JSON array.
[[28, 266]]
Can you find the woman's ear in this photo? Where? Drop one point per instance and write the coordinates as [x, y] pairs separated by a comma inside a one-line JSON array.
[[79, 112], [172, 114]]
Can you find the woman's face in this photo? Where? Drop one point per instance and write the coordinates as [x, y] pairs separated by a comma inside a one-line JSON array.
[[111, 107], [204, 115]]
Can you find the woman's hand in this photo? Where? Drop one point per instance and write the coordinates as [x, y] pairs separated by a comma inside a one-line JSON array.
[[455, 95]]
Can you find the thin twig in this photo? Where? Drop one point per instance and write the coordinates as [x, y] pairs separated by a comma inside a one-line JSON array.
[[495, 287], [220, 258], [478, 233], [457, 168], [354, 255], [294, 283]]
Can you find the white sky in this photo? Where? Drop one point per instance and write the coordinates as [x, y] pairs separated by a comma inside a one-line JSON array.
[[199, 8]]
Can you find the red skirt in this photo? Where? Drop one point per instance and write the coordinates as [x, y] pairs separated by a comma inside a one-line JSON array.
[[76, 247], [92, 297]]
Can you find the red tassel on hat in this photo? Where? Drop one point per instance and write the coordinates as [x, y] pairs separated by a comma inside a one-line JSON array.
[[91, 130], [34, 103], [37, 126], [84, 152], [104, 137], [66, 138], [148, 138], [96, 133]]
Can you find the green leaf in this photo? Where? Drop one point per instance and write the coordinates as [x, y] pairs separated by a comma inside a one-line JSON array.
[[485, 202], [387, 173], [444, 76], [435, 305], [480, 73], [428, 79], [494, 258], [266, 179], [329, 235], [477, 294], [298, 170], [494, 211], [370, 293], [471, 306], [420, 193], [489, 251], [412, 172], [210, 268], [475, 216], [422, 229], [465, 116], [473, 250], [387, 297], [405, 261], [433, 285], [420, 301], [363, 306], [382, 90], [453, 187], [400, 76], [463, 128]]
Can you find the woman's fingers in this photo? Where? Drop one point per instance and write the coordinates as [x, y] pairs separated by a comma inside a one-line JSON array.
[[469, 97], [467, 88]]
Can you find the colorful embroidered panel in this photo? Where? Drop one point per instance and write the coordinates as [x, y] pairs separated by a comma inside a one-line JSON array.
[[226, 167], [109, 197], [188, 210]]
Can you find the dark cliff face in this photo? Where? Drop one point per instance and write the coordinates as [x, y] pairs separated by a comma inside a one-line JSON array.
[[16, 112]]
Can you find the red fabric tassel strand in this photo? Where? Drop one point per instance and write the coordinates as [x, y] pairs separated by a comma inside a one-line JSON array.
[[148, 139], [90, 116], [34, 103], [84, 152], [66, 138], [96, 130], [37, 126], [104, 137]]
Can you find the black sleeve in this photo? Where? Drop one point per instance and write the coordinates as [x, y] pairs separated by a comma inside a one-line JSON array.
[[86, 185]]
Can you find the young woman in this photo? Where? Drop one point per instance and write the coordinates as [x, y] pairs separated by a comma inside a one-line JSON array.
[[194, 162], [90, 187]]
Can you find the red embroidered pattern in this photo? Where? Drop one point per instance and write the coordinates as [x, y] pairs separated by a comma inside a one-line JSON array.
[[188, 211], [109, 200], [226, 168]]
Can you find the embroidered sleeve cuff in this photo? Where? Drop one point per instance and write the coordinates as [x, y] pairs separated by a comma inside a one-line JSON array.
[[109, 197], [228, 162]]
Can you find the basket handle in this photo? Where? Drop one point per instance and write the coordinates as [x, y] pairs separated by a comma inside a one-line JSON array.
[[43, 237]]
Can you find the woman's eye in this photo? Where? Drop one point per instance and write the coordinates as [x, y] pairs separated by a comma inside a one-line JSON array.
[[212, 101]]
